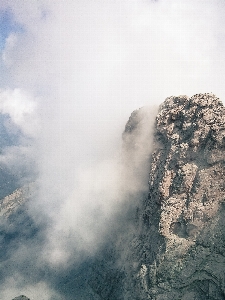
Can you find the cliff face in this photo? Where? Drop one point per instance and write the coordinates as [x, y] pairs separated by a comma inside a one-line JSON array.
[[173, 246], [179, 252]]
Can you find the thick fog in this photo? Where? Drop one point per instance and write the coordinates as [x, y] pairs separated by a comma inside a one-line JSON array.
[[71, 74]]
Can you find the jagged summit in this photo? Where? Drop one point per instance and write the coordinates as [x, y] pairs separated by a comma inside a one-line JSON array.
[[175, 250], [184, 213], [191, 141], [183, 119]]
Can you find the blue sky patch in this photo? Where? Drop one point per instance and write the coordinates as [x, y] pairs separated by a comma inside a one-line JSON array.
[[7, 26]]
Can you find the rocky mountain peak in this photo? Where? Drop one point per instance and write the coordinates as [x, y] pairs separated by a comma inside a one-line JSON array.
[[190, 120], [173, 246], [175, 249], [190, 140], [187, 184]]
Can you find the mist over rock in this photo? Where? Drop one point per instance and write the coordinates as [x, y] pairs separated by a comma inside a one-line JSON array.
[[175, 248], [168, 240], [15, 164], [185, 205]]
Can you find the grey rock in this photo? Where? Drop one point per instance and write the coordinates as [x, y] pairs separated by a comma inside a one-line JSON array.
[[176, 248], [186, 205], [11, 203]]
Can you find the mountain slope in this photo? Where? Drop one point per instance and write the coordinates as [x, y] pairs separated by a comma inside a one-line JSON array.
[[183, 234], [175, 247], [170, 242]]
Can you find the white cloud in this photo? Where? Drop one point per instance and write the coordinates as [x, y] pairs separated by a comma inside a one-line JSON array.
[[20, 106]]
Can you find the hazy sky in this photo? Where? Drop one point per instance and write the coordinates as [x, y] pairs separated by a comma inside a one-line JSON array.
[[71, 74]]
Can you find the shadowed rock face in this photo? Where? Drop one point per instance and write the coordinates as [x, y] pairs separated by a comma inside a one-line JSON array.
[[183, 217]]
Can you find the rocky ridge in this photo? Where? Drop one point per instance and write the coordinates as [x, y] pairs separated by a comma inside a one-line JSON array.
[[192, 184], [12, 202], [174, 247], [182, 231]]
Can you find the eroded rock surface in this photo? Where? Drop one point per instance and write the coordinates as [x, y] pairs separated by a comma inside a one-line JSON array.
[[12, 202], [183, 232]]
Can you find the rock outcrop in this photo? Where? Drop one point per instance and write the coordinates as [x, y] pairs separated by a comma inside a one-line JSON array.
[[173, 246], [182, 231], [12, 202]]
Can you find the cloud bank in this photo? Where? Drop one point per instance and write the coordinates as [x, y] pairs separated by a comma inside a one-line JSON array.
[[70, 77]]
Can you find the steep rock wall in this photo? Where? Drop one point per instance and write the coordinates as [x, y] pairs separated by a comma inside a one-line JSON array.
[[182, 220], [173, 246]]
